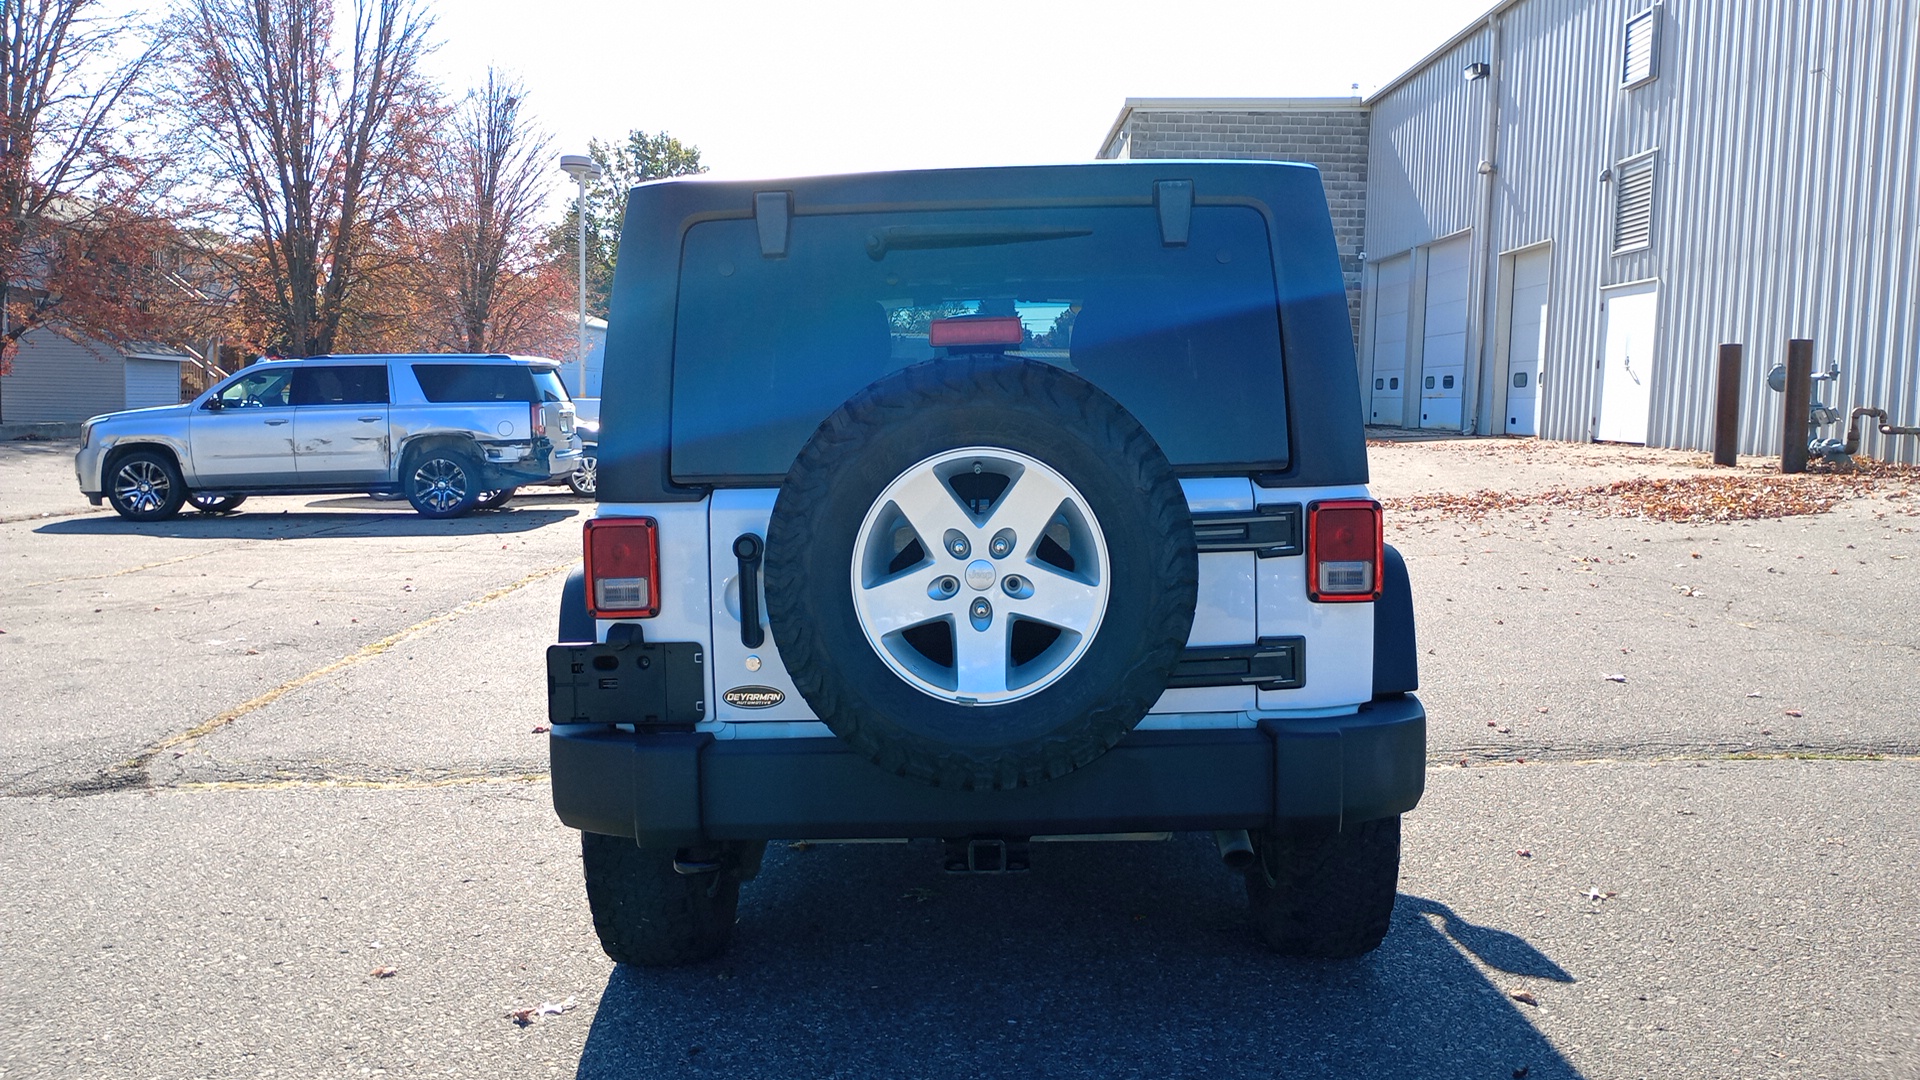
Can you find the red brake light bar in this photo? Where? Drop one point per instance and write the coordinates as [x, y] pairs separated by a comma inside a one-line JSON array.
[[976, 330]]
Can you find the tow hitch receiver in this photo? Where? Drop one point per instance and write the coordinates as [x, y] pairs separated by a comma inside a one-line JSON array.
[[986, 855]]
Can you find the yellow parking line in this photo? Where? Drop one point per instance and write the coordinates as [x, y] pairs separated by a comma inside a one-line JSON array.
[[364, 653]]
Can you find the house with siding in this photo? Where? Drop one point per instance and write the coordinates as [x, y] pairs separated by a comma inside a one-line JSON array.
[[1569, 205], [53, 379]]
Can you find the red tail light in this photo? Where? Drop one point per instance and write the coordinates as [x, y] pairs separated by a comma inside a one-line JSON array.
[[623, 568], [537, 420], [1345, 547]]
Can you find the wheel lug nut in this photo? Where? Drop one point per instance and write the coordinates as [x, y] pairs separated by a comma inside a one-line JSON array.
[[957, 545], [1002, 543], [944, 587]]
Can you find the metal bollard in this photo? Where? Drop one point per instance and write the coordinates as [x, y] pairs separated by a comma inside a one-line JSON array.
[[1799, 398], [1726, 413]]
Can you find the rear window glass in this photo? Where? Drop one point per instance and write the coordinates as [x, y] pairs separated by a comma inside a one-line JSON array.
[[1187, 338], [472, 383]]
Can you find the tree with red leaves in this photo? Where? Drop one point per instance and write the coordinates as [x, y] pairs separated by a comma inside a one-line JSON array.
[[319, 152], [484, 278], [82, 251]]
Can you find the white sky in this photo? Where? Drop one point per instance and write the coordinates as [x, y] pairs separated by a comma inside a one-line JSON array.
[[781, 89]]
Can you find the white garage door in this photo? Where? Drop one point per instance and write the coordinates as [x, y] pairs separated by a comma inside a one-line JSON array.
[[1392, 293], [1443, 366], [1527, 339]]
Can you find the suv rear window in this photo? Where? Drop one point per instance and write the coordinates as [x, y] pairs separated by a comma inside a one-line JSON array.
[[468, 383], [1187, 338]]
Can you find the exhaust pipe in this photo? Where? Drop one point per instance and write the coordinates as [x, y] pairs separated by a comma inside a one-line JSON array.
[[1236, 848]]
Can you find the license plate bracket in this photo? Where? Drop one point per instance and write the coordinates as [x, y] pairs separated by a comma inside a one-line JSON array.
[[655, 685]]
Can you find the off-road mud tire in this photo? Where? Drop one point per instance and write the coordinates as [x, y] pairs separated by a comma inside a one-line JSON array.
[[649, 915], [1325, 894], [1035, 409]]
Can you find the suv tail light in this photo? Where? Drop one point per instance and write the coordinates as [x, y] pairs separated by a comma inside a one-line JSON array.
[[537, 420], [1345, 546], [623, 568]]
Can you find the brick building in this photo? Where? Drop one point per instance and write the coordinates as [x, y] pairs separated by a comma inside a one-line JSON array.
[[1330, 133]]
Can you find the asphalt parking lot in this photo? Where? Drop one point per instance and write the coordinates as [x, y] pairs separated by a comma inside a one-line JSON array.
[[277, 808]]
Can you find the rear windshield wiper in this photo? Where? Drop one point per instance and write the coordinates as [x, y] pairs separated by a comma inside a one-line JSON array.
[[921, 237]]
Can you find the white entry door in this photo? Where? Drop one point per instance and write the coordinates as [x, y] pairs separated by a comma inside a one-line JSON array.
[[1392, 292], [1443, 353], [1527, 339], [1629, 316]]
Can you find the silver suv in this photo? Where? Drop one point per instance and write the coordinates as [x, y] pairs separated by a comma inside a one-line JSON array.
[[445, 431]]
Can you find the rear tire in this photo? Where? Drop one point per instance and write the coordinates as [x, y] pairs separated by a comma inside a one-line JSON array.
[[145, 485], [1325, 894], [216, 504], [649, 915], [440, 482]]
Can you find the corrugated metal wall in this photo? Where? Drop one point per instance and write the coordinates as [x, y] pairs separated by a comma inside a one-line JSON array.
[[1424, 148], [1787, 195]]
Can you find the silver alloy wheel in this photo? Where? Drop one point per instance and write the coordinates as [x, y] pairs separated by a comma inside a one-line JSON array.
[[975, 591], [141, 486], [440, 483], [585, 475]]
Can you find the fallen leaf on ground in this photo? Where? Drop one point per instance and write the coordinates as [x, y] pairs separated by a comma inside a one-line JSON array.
[[1616, 678], [541, 729], [1523, 997], [1525, 853], [523, 1017], [384, 972], [1795, 712]]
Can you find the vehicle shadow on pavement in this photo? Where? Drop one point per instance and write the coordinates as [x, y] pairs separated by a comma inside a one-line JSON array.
[[300, 525], [1105, 960]]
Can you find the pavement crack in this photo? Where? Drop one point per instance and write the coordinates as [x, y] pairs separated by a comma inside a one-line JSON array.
[[123, 572], [132, 772]]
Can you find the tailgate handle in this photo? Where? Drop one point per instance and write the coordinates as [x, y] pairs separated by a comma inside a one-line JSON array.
[[747, 549]]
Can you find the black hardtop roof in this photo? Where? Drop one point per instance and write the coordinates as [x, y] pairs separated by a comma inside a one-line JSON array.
[[1020, 184], [1316, 330]]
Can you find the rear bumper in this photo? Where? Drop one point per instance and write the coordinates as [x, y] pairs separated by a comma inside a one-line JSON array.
[[680, 789]]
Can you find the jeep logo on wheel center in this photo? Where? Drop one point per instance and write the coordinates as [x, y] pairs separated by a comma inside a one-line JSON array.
[[753, 697]]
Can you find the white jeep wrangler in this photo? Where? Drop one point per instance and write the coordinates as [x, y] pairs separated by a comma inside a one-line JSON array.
[[984, 507]]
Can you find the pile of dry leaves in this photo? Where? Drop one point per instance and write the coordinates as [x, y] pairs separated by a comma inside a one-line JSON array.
[[1724, 496]]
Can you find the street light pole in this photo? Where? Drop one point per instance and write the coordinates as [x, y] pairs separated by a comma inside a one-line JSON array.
[[583, 169]]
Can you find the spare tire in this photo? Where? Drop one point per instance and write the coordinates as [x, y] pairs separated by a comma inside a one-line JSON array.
[[980, 572]]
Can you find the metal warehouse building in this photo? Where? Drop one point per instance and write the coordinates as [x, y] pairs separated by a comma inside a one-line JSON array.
[[1572, 203]]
